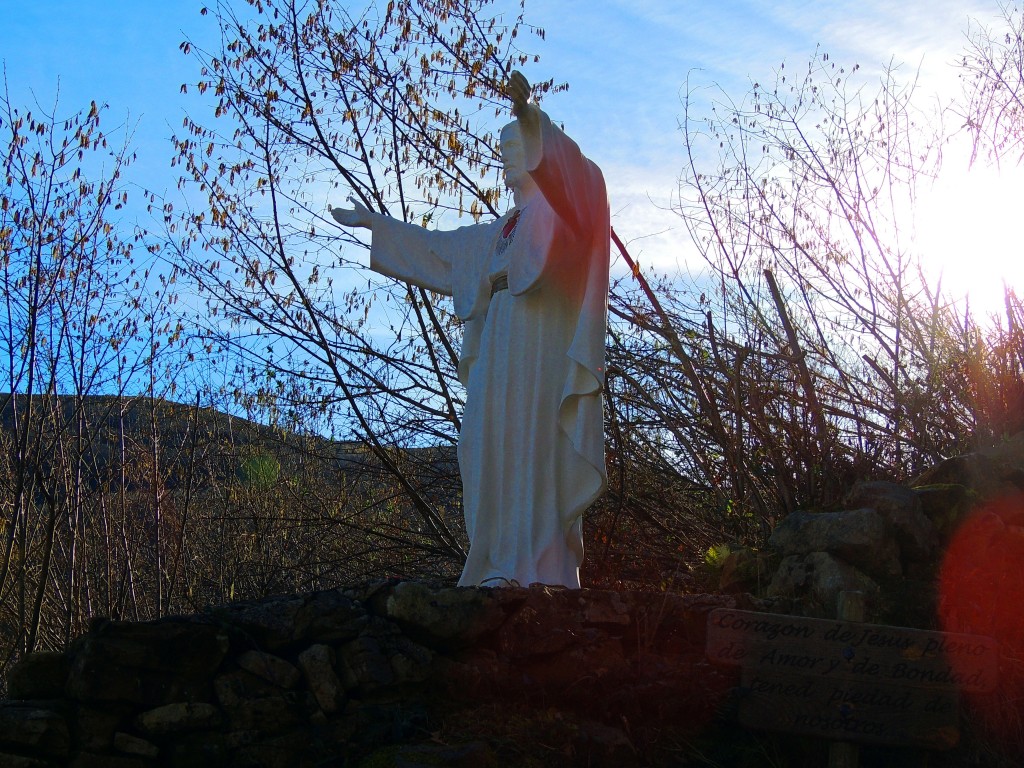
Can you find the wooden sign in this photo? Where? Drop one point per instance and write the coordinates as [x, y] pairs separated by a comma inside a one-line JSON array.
[[850, 681]]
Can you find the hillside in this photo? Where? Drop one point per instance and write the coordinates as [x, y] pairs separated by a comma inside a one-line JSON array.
[[135, 509]]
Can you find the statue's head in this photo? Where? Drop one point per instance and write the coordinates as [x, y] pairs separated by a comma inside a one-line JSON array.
[[513, 155]]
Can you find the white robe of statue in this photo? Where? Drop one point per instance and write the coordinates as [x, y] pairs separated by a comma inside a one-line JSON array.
[[531, 449]]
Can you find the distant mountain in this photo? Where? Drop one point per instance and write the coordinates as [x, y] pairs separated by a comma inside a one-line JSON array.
[[105, 434]]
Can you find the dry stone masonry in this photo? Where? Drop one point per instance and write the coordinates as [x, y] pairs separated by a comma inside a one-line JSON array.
[[414, 674], [886, 541], [365, 676]]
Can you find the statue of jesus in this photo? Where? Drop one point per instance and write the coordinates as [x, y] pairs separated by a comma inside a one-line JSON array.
[[532, 291]]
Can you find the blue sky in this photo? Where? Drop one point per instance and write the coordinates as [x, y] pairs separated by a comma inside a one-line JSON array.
[[626, 62]]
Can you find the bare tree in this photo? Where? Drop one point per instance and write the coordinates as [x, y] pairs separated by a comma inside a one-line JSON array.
[[75, 282], [319, 101], [813, 352], [993, 86]]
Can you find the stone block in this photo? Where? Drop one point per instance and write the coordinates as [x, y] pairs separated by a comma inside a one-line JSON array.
[[31, 726], [270, 622], [133, 745], [410, 662], [178, 717], [293, 749], [444, 618], [317, 665], [40, 675], [830, 576], [363, 665], [547, 622], [9, 760], [745, 570], [977, 472], [236, 686], [916, 536], [328, 617], [386, 722], [792, 578], [273, 669], [604, 608], [147, 663], [94, 729], [271, 714], [861, 537], [819, 576], [946, 506]]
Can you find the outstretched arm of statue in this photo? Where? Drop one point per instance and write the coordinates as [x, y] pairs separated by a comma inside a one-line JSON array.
[[570, 183], [518, 90], [358, 216], [407, 251]]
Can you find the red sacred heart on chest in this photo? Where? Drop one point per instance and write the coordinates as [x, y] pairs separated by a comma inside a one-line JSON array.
[[510, 225]]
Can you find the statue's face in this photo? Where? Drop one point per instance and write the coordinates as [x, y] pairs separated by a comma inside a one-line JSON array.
[[513, 155]]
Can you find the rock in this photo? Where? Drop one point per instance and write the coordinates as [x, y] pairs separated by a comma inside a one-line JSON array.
[[270, 714], [444, 618], [861, 537], [239, 738], [971, 470], [410, 662], [575, 674], [820, 577], [329, 617], [604, 608], [631, 657], [369, 593], [364, 667], [792, 578], [317, 665], [273, 669], [746, 570], [830, 576], [133, 745], [94, 729], [548, 622], [25, 724], [237, 686], [916, 536], [674, 623], [8, 760], [178, 717], [153, 662], [269, 623], [476, 673], [991, 471], [39, 675], [946, 505]]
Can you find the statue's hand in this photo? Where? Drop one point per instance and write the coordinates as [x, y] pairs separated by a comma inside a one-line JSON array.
[[518, 90], [359, 216]]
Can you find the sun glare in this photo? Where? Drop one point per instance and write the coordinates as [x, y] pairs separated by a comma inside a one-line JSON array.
[[968, 232]]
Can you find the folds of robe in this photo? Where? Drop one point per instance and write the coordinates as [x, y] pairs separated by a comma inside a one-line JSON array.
[[531, 449]]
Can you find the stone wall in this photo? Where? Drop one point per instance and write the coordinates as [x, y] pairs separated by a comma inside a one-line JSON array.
[[392, 674], [412, 674], [886, 540]]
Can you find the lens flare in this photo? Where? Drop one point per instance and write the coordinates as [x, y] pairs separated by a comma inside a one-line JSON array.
[[980, 587]]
